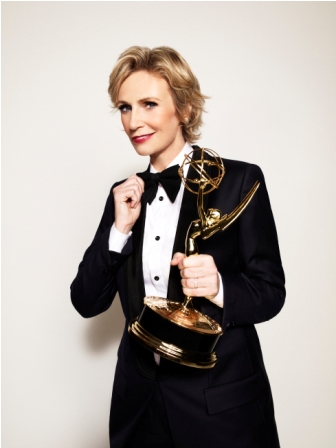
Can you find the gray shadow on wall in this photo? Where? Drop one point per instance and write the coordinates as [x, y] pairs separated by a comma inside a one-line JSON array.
[[106, 328]]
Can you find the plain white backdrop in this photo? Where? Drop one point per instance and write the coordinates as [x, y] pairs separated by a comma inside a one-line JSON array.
[[270, 69]]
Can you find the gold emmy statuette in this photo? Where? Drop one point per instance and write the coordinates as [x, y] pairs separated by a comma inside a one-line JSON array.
[[176, 330]]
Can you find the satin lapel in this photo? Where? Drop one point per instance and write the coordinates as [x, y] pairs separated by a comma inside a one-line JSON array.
[[135, 290], [134, 282], [187, 214]]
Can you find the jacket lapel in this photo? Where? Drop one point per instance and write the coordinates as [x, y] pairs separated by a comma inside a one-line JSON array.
[[134, 282]]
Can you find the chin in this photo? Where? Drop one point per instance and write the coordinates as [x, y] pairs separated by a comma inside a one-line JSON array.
[[143, 151]]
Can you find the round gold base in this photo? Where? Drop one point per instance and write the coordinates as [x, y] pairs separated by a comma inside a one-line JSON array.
[[170, 351]]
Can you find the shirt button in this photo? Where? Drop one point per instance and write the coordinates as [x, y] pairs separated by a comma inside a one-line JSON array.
[[157, 238], [156, 278], [161, 198]]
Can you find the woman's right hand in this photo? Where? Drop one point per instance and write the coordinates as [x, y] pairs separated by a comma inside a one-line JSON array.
[[127, 203]]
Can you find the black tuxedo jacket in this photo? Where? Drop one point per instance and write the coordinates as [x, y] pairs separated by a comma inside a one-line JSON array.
[[230, 404]]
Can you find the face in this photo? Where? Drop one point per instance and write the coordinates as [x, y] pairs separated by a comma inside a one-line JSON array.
[[149, 118]]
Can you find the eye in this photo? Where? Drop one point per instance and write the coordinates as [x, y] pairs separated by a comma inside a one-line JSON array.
[[150, 104], [124, 108]]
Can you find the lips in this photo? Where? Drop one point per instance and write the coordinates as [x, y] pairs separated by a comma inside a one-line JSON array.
[[142, 138]]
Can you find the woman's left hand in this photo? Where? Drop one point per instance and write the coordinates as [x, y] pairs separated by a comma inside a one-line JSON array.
[[199, 275]]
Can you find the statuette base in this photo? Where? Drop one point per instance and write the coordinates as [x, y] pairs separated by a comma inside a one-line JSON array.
[[182, 335]]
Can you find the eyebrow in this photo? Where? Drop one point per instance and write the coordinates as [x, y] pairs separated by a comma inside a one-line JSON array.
[[148, 98]]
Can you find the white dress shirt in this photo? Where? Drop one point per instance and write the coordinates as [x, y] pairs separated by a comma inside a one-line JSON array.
[[159, 235]]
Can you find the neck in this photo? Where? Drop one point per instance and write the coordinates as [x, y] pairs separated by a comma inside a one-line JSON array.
[[161, 161]]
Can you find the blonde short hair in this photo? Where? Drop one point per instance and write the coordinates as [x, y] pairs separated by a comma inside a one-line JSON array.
[[170, 65]]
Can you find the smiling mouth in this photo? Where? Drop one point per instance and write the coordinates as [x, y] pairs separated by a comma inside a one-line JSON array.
[[142, 138]]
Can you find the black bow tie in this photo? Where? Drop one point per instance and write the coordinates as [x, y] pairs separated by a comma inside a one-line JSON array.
[[168, 178]]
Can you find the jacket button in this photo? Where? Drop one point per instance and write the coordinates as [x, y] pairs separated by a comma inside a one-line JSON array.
[[157, 238], [156, 278]]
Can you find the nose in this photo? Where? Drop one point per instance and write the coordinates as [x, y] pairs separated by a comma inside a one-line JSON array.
[[136, 120]]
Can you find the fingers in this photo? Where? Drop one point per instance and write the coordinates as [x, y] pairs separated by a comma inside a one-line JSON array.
[[197, 266], [196, 283], [177, 258], [207, 286], [127, 202], [130, 191], [199, 274]]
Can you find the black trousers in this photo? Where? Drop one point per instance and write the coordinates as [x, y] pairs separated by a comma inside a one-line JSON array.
[[152, 430]]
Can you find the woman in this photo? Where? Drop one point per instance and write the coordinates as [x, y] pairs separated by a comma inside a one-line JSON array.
[[138, 250]]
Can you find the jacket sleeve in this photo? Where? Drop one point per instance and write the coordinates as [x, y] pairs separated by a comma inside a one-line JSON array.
[[94, 287], [255, 292]]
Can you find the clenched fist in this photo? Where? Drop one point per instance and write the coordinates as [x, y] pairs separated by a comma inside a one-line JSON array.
[[199, 275], [127, 203]]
